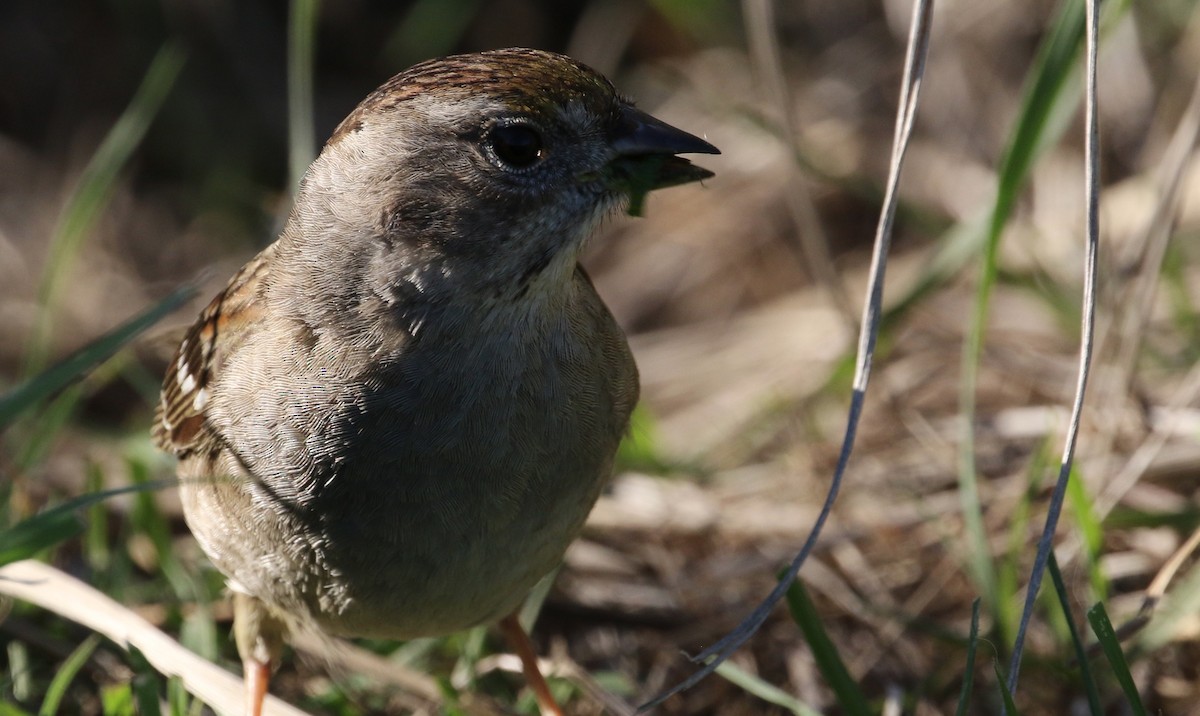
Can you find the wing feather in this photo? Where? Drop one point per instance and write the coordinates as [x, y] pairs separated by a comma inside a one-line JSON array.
[[181, 426]]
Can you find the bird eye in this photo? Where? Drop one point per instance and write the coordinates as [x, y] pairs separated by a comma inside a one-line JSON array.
[[517, 145]]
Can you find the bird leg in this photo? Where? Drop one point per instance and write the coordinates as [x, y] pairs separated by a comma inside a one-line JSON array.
[[257, 675], [259, 636], [511, 627]]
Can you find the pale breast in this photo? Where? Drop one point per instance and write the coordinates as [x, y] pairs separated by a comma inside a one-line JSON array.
[[430, 492]]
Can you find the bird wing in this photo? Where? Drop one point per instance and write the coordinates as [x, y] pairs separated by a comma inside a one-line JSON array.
[[181, 425]]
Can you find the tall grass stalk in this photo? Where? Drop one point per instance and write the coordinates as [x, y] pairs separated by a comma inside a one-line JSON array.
[[1050, 74], [302, 33], [914, 70], [93, 192], [1091, 191]]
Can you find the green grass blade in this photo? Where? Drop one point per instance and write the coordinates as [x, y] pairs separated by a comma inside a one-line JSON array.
[[117, 700], [41, 387], [763, 690], [697, 18], [53, 526], [964, 695], [96, 549], [147, 519], [1090, 532], [1049, 76], [1009, 566], [639, 447], [94, 191], [829, 662], [470, 651], [7, 709], [1085, 671], [1053, 71], [37, 533], [1098, 617], [430, 28], [532, 606], [178, 697], [19, 671], [37, 440], [1087, 331], [146, 685], [1049, 100], [1010, 706], [62, 680], [302, 32]]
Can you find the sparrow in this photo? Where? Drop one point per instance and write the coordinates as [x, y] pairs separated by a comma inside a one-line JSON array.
[[394, 419]]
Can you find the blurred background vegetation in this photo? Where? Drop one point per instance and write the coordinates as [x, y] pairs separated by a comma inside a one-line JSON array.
[[147, 145]]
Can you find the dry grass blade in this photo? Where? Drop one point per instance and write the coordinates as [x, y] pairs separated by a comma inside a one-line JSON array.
[[346, 657], [1143, 457], [1155, 592], [66, 596], [812, 238], [1132, 309], [570, 670], [1087, 339], [1153, 243], [914, 67], [1158, 585]]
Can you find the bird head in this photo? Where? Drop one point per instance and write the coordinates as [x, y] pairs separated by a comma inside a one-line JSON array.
[[496, 165]]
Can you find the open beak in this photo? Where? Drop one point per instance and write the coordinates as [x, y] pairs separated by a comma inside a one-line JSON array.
[[647, 158]]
